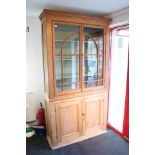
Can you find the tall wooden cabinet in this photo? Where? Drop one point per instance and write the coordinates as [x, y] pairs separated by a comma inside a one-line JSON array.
[[75, 55]]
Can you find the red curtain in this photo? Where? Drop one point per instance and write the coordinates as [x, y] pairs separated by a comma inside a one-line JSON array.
[[126, 109]]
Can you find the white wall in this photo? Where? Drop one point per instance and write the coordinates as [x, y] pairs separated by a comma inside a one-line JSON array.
[[119, 18], [34, 63]]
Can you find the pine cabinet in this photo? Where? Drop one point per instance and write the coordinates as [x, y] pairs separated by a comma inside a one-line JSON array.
[[76, 60]]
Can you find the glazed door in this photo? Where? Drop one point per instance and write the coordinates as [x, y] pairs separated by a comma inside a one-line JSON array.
[[93, 57], [68, 119], [66, 58], [79, 55], [94, 114]]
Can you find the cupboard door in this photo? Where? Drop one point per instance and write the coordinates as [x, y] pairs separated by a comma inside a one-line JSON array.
[[93, 56], [95, 114], [68, 117], [67, 57]]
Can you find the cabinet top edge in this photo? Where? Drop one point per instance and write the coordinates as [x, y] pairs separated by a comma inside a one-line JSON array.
[[47, 12]]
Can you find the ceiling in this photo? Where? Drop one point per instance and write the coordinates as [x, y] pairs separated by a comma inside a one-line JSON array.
[[95, 7]]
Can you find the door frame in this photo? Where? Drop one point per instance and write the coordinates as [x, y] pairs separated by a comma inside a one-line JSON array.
[[123, 133]]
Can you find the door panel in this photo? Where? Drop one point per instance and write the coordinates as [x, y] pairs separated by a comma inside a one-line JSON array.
[[68, 115], [94, 114]]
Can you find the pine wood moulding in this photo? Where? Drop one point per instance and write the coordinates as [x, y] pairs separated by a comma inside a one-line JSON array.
[[79, 94], [75, 17]]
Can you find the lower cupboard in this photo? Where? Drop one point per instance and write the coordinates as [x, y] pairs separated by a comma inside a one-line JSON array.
[[72, 120]]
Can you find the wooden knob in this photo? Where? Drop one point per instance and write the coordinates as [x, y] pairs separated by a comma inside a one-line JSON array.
[[83, 114]]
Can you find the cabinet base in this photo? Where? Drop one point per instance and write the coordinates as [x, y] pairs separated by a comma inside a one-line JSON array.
[[74, 141]]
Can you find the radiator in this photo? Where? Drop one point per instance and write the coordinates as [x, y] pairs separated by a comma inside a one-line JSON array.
[[30, 107]]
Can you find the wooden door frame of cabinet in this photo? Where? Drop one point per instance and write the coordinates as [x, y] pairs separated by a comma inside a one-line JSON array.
[[81, 88], [54, 62], [107, 58], [103, 59], [81, 56]]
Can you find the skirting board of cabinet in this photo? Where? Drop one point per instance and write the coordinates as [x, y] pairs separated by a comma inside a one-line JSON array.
[[74, 141]]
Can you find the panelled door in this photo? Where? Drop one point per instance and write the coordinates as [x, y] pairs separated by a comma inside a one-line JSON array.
[[68, 118], [94, 114]]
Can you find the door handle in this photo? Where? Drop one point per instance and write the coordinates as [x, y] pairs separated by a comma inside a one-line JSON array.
[[83, 114]]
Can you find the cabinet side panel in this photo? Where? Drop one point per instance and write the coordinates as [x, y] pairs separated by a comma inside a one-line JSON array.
[[50, 56], [53, 124], [44, 44], [105, 100], [48, 119]]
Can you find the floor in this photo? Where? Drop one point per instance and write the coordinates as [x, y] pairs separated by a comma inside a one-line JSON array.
[[109, 143]]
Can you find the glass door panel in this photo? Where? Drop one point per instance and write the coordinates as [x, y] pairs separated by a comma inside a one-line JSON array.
[[71, 86], [67, 38], [58, 74], [92, 57], [89, 69], [71, 69]]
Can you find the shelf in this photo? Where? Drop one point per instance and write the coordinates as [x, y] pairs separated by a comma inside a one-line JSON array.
[[66, 41], [94, 80], [57, 55], [74, 41], [67, 77], [68, 83], [93, 54], [66, 59], [93, 59], [79, 54], [89, 75]]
